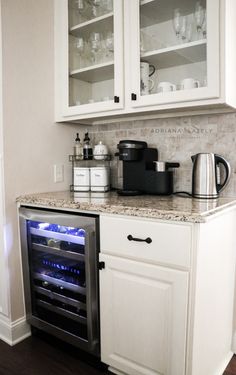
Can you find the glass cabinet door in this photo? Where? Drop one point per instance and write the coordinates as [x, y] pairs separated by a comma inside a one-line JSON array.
[[94, 54], [177, 49]]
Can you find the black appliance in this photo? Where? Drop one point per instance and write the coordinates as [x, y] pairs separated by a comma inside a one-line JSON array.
[[60, 271], [141, 174]]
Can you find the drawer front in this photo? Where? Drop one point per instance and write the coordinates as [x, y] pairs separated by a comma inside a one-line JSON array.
[[170, 243]]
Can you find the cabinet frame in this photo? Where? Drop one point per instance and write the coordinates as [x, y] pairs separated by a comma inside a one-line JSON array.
[[218, 97], [61, 33]]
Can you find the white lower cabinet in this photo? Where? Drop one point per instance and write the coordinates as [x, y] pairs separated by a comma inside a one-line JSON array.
[[167, 295], [143, 317]]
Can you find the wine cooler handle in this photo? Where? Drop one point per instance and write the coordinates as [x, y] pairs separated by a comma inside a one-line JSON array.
[[131, 238]]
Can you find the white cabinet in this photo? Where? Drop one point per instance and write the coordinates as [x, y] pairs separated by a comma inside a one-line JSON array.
[[102, 64], [88, 57], [143, 317], [166, 303]]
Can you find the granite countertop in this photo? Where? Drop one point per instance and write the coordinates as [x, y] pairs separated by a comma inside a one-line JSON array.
[[155, 207]]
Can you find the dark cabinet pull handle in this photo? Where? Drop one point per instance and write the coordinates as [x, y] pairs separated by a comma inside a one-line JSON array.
[[131, 238]]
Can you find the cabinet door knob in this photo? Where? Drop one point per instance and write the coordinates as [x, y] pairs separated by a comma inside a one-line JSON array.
[[131, 238]]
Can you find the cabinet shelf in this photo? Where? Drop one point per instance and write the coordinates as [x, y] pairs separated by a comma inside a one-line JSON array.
[[96, 24], [187, 53], [95, 73]]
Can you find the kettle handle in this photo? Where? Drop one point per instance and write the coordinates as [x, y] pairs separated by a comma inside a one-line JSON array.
[[220, 160]]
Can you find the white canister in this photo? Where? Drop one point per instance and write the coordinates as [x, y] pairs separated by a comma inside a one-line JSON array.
[[100, 151], [100, 178], [81, 179]]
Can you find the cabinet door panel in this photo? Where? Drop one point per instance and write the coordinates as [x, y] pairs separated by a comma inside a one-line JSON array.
[[89, 56], [175, 56], [143, 317]]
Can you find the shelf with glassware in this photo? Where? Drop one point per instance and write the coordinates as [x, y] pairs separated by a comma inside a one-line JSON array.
[[182, 39], [91, 175], [173, 42], [91, 60]]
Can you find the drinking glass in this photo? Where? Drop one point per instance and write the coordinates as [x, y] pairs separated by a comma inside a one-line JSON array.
[[204, 28], [107, 6], [183, 29], [189, 32], [109, 46], [80, 49], [199, 15], [81, 8], [177, 22], [96, 8], [95, 47]]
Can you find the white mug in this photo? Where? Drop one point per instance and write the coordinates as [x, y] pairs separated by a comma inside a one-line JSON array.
[[146, 83], [166, 87], [189, 83]]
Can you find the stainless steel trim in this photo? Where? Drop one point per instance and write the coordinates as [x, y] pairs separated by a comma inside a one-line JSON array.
[[88, 223]]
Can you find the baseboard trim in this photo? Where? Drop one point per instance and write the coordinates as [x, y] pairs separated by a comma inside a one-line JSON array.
[[225, 363], [13, 332]]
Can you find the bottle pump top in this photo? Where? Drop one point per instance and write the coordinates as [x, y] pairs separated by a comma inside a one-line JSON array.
[[77, 139], [86, 138]]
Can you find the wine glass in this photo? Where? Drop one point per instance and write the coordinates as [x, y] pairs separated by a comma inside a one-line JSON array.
[[177, 22], [183, 29], [109, 45], [95, 46], [81, 9], [80, 48], [199, 15], [96, 8], [204, 27]]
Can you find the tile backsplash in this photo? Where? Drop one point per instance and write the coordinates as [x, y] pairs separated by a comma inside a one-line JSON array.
[[176, 140]]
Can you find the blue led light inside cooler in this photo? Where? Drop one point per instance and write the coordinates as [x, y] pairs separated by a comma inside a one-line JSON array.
[[60, 267], [79, 232]]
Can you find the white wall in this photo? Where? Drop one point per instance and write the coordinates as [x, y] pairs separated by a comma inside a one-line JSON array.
[[32, 141], [4, 292]]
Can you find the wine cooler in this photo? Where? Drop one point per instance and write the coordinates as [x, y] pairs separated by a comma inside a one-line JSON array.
[[60, 270]]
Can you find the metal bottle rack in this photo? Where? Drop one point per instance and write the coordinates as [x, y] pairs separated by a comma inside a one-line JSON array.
[[96, 161]]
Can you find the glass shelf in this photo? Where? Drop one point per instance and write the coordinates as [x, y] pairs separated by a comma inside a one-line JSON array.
[[186, 53], [94, 73], [96, 24]]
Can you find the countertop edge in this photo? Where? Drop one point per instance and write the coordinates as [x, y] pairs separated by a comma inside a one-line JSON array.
[[44, 202]]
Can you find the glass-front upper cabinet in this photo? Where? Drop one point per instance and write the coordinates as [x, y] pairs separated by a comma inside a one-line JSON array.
[[175, 55], [93, 67]]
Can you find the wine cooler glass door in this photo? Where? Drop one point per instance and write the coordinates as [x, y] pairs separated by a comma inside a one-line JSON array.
[[60, 273]]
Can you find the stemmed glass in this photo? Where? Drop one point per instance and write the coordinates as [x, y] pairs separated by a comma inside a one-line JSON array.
[[177, 22], [199, 15], [80, 49], [96, 8], [204, 28], [81, 7], [183, 29], [109, 45], [95, 47]]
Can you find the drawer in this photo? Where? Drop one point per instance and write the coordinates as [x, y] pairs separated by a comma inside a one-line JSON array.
[[171, 243]]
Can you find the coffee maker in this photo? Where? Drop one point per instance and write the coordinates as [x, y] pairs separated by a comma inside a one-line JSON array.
[[141, 172]]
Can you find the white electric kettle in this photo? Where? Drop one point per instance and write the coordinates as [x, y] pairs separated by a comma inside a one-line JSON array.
[[205, 177]]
